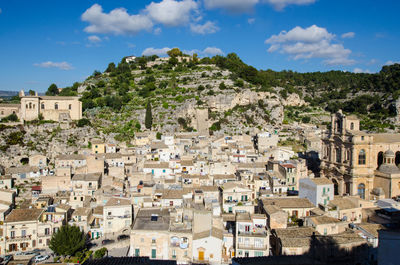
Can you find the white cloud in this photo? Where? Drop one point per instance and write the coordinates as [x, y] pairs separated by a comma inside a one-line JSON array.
[[153, 51], [236, 6], [251, 20], [170, 12], [59, 65], [359, 70], [372, 61], [311, 42], [131, 45], [211, 51], [94, 39], [118, 21], [348, 35], [157, 31], [281, 4], [207, 28], [392, 62], [311, 34]]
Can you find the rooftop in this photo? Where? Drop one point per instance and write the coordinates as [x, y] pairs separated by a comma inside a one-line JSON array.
[[23, 215], [87, 177], [152, 219], [321, 181], [288, 202], [117, 202]]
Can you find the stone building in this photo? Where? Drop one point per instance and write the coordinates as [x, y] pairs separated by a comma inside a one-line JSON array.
[[352, 159], [55, 108]]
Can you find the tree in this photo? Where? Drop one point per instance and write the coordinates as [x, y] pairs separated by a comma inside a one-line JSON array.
[[158, 135], [148, 121], [110, 68], [52, 90], [67, 240], [175, 52], [31, 92], [83, 122], [96, 73]]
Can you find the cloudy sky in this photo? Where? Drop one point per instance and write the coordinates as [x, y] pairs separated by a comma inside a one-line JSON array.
[[50, 41]]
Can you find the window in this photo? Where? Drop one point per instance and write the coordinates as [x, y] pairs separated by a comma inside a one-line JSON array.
[[47, 231], [30, 105], [2, 112], [338, 155], [23, 233], [352, 126], [56, 106], [109, 213], [258, 253], [42, 105], [69, 106], [174, 254], [258, 242], [153, 253], [153, 240], [361, 190], [325, 231], [12, 234], [361, 157]]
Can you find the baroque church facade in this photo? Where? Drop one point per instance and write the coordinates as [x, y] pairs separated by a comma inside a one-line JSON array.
[[360, 163]]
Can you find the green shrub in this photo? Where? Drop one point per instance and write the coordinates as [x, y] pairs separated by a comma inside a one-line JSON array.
[[98, 254], [83, 122]]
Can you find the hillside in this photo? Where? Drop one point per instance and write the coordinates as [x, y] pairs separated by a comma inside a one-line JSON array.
[[237, 98]]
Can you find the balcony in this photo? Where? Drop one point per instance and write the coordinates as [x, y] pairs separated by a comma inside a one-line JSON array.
[[109, 217], [18, 238], [252, 247], [258, 232], [44, 235]]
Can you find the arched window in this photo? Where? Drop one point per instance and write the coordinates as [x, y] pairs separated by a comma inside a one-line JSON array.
[[361, 190], [42, 105], [30, 105], [56, 106], [352, 126], [361, 157], [69, 106]]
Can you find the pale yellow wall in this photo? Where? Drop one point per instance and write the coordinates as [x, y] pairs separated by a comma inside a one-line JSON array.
[[31, 107], [8, 110]]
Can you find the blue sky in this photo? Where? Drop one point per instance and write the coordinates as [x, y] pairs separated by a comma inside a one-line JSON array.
[[50, 41]]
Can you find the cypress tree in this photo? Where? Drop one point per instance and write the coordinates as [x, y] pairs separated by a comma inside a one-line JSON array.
[[148, 120]]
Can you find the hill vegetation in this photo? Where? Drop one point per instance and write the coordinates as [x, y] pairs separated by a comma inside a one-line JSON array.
[[168, 84]]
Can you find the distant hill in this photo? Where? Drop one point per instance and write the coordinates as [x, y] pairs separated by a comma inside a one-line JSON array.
[[8, 93]]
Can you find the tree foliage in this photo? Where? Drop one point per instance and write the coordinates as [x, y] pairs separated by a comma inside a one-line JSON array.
[[68, 240], [52, 90], [174, 52], [148, 121], [98, 254]]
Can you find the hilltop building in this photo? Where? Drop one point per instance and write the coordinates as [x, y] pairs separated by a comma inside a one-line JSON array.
[[54, 108]]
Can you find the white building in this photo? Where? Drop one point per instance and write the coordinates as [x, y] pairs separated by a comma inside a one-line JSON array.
[[316, 190], [117, 215]]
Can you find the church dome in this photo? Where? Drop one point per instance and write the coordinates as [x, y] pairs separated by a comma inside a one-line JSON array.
[[389, 153]]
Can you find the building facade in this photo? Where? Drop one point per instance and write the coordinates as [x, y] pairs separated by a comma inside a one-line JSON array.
[[351, 158]]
